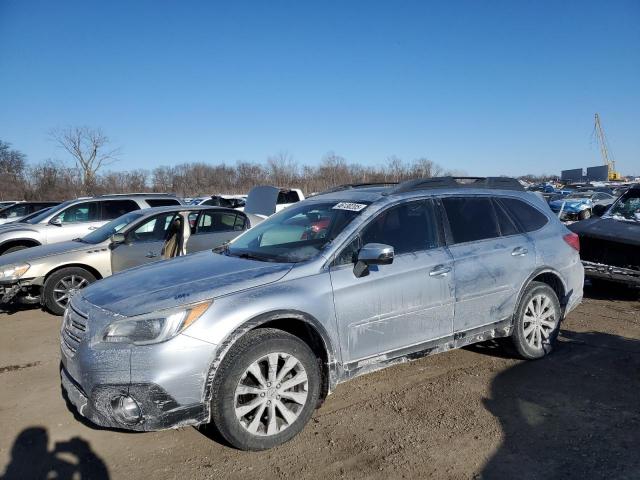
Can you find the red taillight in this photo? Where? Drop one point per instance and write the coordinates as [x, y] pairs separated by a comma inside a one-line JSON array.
[[573, 240]]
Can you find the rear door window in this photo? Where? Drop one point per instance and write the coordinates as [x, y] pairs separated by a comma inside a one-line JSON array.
[[216, 221], [470, 218], [115, 208], [507, 227], [529, 218]]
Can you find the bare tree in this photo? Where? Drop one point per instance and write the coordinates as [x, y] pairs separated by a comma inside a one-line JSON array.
[[12, 172], [89, 148]]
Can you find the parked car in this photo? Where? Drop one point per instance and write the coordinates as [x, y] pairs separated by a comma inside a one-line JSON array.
[[229, 201], [75, 218], [610, 241], [7, 203], [50, 274], [23, 209], [253, 338], [266, 200], [579, 205]]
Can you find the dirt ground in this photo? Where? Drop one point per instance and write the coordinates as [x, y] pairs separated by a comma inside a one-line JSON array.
[[471, 413]]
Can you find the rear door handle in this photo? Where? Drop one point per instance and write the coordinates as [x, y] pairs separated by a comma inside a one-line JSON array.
[[439, 271], [519, 252], [151, 255]]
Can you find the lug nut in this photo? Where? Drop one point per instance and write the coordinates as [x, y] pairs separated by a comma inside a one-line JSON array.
[[268, 384], [262, 394], [278, 386], [268, 402]]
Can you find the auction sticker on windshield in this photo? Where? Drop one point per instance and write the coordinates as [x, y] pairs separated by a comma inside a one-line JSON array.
[[353, 207]]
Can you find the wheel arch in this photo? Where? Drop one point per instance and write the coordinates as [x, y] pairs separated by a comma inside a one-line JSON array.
[[86, 267], [551, 277], [30, 242], [297, 323]]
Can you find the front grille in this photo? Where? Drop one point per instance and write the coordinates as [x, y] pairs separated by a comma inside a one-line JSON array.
[[608, 252], [74, 329]]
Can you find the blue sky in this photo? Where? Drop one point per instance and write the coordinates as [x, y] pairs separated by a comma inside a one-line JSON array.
[[488, 87]]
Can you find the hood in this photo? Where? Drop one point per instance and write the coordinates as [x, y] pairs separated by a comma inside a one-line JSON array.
[[180, 281], [18, 227], [618, 231], [35, 253], [262, 200], [570, 203]]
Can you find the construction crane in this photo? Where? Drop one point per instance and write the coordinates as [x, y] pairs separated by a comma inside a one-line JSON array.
[[607, 157]]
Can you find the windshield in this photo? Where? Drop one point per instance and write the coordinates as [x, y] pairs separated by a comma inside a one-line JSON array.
[[297, 233], [628, 207], [105, 231], [45, 213]]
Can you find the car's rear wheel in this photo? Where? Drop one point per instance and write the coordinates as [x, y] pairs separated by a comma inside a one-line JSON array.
[[265, 389], [62, 285], [536, 322]]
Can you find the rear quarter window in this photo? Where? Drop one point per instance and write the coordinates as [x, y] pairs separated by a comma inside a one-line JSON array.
[[528, 217]]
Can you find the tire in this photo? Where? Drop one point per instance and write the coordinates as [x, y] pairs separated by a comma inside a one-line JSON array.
[[15, 248], [247, 428], [583, 215], [534, 334], [75, 277]]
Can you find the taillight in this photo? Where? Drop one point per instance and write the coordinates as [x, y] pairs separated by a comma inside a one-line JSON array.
[[573, 240]]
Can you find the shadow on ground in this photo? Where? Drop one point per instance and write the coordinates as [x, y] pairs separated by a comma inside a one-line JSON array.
[[574, 414], [610, 291], [32, 459]]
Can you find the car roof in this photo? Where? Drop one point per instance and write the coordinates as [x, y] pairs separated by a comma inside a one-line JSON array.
[[422, 187], [181, 208]]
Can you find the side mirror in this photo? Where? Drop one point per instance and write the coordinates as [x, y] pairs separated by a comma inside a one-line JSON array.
[[118, 238], [599, 210], [56, 221], [372, 254]]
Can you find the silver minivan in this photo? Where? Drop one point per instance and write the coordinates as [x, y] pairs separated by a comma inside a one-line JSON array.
[[252, 338]]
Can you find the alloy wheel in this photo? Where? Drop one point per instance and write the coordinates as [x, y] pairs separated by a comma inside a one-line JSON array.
[[66, 287], [271, 394], [540, 320]]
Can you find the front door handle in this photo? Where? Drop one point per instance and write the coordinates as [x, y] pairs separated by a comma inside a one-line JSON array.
[[439, 271], [151, 254], [519, 252]]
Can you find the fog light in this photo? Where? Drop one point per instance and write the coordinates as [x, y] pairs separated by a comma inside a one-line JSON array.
[[126, 409]]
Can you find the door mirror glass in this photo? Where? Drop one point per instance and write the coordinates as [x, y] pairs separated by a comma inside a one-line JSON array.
[[599, 210], [376, 254], [56, 221], [117, 238]]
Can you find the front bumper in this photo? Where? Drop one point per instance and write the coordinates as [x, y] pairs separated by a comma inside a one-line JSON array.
[[611, 273], [158, 409], [167, 380]]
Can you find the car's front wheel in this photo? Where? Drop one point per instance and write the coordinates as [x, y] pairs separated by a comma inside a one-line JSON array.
[[265, 389], [583, 215], [61, 285], [537, 321]]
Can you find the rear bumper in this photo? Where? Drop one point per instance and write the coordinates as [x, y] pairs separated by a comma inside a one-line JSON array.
[[611, 273]]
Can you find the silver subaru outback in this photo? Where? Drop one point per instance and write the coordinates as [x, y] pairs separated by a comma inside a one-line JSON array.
[[253, 337]]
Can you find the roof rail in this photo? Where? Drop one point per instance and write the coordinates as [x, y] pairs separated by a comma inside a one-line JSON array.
[[499, 183], [349, 186], [136, 194]]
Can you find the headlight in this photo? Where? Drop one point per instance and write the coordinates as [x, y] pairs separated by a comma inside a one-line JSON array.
[[13, 272], [154, 327]]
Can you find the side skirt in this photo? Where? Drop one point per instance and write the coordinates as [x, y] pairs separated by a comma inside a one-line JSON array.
[[457, 340]]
